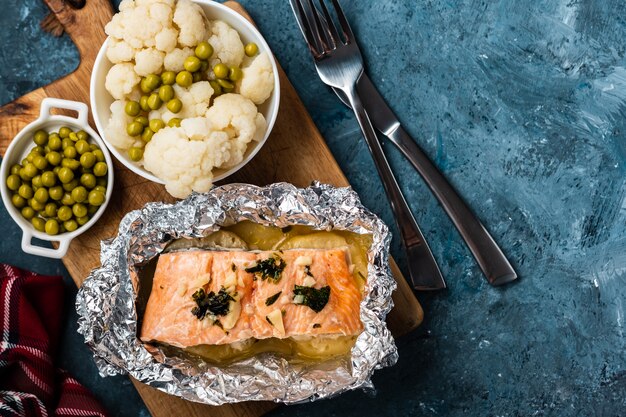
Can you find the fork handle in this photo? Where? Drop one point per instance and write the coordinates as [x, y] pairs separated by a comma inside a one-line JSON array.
[[423, 269]]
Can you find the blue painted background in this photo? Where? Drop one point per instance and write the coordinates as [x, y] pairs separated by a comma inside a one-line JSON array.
[[522, 105]]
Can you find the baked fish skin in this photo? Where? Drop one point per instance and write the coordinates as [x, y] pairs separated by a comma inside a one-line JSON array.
[[262, 301]]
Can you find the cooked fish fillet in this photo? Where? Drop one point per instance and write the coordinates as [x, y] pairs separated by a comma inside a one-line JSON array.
[[169, 318]]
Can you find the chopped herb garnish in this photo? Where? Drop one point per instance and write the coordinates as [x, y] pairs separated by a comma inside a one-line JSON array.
[[313, 298], [233, 267], [211, 303], [270, 268], [317, 326], [268, 320], [271, 300], [307, 270]]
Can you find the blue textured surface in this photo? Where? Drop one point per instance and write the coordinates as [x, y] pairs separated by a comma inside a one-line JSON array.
[[522, 105]]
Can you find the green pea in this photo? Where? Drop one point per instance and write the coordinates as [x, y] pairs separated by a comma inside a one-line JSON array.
[[154, 102], [54, 158], [251, 49], [92, 210], [235, 73], [56, 170], [82, 146], [87, 160], [196, 77], [135, 154], [204, 50], [174, 122], [217, 89], [96, 198], [204, 66], [13, 182], [52, 227], [56, 193], [143, 120], [28, 212], [40, 137], [64, 213], [93, 147], [54, 142], [70, 225], [15, 169], [36, 205], [70, 185], [143, 103], [147, 134], [40, 162], [192, 63], [184, 79], [82, 135], [100, 188], [225, 84], [23, 176], [65, 175], [168, 77], [174, 105], [38, 223], [151, 81], [166, 92], [29, 158], [41, 195], [36, 182], [156, 125], [18, 201], [72, 164], [82, 220], [88, 180], [99, 155], [73, 137], [48, 179], [100, 169], [50, 210], [132, 108], [134, 129], [38, 149], [30, 170], [67, 199], [66, 143], [220, 70], [79, 194], [25, 191], [79, 210], [64, 132], [70, 152], [102, 181]]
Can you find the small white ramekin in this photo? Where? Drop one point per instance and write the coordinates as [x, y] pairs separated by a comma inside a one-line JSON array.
[[19, 148], [101, 100]]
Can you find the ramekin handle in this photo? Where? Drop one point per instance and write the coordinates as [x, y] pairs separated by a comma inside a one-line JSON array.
[[58, 253], [48, 104]]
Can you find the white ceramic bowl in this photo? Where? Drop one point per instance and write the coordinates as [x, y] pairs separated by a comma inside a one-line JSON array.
[[101, 100], [20, 147]]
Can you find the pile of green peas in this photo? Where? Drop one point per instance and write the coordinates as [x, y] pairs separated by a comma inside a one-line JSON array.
[[61, 183], [157, 90]]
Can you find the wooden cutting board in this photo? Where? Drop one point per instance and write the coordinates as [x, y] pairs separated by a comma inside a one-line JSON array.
[[295, 152]]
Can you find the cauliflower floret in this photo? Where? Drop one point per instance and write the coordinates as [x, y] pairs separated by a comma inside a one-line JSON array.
[[166, 40], [119, 51], [257, 82], [140, 22], [184, 164], [148, 61], [240, 119], [227, 45], [121, 80], [175, 59], [192, 22], [126, 5], [115, 131]]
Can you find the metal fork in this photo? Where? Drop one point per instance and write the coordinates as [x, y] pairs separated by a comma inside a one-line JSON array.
[[339, 64]]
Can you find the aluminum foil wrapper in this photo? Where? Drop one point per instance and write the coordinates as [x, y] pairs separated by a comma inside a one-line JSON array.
[[108, 319]]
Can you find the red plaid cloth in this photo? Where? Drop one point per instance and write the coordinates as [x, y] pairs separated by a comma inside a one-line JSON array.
[[31, 308]]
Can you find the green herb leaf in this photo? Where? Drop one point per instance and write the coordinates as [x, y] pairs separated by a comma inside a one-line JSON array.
[[315, 299], [272, 299], [270, 268], [211, 303]]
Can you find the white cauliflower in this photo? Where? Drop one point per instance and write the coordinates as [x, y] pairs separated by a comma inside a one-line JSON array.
[[138, 23], [195, 101], [227, 45], [192, 22], [240, 119], [175, 59], [119, 51], [166, 40], [149, 61], [257, 82], [115, 131], [121, 80]]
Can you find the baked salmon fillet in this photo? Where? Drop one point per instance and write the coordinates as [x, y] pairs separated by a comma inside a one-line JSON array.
[[221, 297]]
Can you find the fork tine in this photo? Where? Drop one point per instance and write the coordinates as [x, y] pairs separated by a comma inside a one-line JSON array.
[[344, 22], [306, 27], [330, 25], [322, 35]]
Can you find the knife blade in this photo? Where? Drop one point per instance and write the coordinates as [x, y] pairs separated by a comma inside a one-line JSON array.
[[488, 255]]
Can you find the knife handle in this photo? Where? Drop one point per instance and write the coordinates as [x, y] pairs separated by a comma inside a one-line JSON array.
[[489, 256]]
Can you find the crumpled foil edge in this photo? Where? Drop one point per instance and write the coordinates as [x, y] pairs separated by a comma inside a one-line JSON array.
[[108, 317]]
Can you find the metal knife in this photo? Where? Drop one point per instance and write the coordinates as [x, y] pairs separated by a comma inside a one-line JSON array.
[[486, 251]]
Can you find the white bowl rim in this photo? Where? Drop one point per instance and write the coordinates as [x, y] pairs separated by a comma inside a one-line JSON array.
[[28, 231], [270, 123]]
